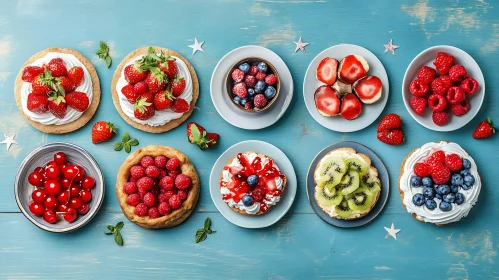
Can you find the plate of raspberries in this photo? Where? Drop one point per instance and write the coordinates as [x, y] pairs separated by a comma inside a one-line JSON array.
[[443, 88]]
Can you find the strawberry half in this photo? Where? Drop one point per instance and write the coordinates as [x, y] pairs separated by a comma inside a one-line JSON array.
[[77, 100], [197, 135], [352, 68], [327, 71], [327, 101]]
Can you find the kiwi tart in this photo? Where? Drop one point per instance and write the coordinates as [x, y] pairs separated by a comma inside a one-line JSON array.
[[347, 186]]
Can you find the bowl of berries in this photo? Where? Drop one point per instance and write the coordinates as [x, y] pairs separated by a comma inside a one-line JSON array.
[[253, 84], [59, 187], [449, 82]]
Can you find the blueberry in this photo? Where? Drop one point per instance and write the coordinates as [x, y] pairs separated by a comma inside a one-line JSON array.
[[251, 92], [415, 181], [237, 99], [260, 87], [445, 206], [270, 92], [429, 192], [431, 204], [244, 101], [465, 187], [456, 180], [245, 67], [464, 172], [439, 196], [459, 198], [418, 199], [252, 180], [443, 189], [248, 200], [469, 180], [466, 164], [454, 189], [262, 67], [449, 197], [427, 182]]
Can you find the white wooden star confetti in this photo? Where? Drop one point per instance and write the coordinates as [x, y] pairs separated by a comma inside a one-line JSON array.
[[9, 140], [196, 46], [392, 232], [300, 45], [390, 47]]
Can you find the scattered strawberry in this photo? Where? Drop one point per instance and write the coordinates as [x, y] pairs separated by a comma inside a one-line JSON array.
[[260, 76], [144, 108], [390, 121], [253, 70], [133, 73], [198, 135], [180, 106], [169, 66], [391, 137], [38, 104], [140, 88], [453, 162], [30, 72], [163, 100], [437, 103], [177, 86], [460, 108], [418, 88], [270, 79], [426, 74], [237, 75], [77, 100], [57, 106], [103, 131], [57, 68], [130, 94], [484, 129], [469, 85], [156, 80], [250, 81], [421, 169], [76, 75], [440, 174], [418, 104], [458, 73], [455, 95], [440, 118], [260, 101], [443, 62], [441, 85], [239, 89]]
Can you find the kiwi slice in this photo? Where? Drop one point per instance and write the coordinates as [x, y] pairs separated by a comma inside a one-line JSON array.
[[358, 165], [370, 183], [328, 197], [342, 209], [330, 171], [349, 183], [360, 199]]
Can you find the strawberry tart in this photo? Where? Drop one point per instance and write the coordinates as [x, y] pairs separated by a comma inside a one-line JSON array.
[[157, 187], [57, 90], [155, 89], [251, 183]]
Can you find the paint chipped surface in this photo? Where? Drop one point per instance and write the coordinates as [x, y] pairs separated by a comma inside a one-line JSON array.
[[258, 10], [383, 268], [277, 35]]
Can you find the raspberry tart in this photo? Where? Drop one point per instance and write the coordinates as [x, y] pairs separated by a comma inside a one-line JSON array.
[[155, 89], [439, 183], [57, 90], [251, 183], [157, 187]]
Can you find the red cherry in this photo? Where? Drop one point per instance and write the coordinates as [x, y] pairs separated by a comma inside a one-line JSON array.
[[88, 182], [39, 169], [83, 209], [35, 179], [53, 171], [75, 202], [70, 215], [60, 158], [65, 183], [50, 202], [85, 195], [64, 167], [62, 208], [70, 172], [63, 197], [74, 191], [38, 196], [49, 216], [80, 173], [52, 187], [51, 163], [36, 209]]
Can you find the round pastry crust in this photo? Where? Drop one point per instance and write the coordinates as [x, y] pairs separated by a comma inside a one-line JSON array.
[[169, 125], [177, 216], [84, 118], [242, 212]]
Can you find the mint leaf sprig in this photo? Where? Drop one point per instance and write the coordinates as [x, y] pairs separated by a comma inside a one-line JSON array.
[[126, 142], [103, 53], [116, 230], [202, 233]]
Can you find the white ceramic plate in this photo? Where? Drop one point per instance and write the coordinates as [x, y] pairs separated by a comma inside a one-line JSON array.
[[370, 112], [237, 117], [277, 211], [427, 57]]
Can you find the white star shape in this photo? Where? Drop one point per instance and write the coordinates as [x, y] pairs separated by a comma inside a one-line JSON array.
[[9, 140], [300, 45], [392, 232], [196, 46], [390, 47]]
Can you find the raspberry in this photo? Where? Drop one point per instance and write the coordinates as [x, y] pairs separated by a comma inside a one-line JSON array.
[[458, 73], [130, 188], [173, 164], [453, 162], [440, 174], [441, 85], [160, 161], [455, 95], [146, 161], [421, 169], [426, 74], [182, 195], [418, 88], [173, 173], [260, 101], [443, 62], [460, 108], [182, 182], [141, 210], [161, 198], [253, 70], [237, 75], [418, 104], [164, 208], [162, 174], [132, 179], [240, 90], [168, 195], [270, 79], [436, 157], [175, 202], [248, 105], [437, 102], [153, 213], [440, 118], [149, 199], [145, 184], [250, 81], [133, 199], [137, 171], [258, 194], [167, 183], [152, 171], [260, 76], [469, 85]]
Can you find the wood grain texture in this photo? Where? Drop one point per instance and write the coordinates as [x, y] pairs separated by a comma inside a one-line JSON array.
[[300, 246]]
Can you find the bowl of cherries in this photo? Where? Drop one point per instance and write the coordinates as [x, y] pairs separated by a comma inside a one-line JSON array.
[[59, 187]]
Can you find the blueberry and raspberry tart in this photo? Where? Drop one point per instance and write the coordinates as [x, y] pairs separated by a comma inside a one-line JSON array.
[[251, 183], [157, 187], [439, 183], [347, 185]]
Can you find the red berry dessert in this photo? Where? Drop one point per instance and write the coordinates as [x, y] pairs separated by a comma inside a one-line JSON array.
[[251, 183], [157, 187]]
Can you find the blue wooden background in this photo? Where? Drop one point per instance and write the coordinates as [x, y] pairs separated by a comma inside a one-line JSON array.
[[300, 246]]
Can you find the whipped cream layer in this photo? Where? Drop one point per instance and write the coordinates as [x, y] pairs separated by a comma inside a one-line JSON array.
[[71, 114], [438, 216], [160, 117]]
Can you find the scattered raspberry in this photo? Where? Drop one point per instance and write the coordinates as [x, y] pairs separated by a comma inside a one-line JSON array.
[[253, 70], [237, 75], [149, 199], [164, 208], [270, 79], [167, 183], [152, 171], [421, 169], [469, 85], [240, 90], [441, 85], [461, 108], [418, 104], [173, 164], [175, 202], [248, 105], [455, 95], [182, 195], [437, 102], [250, 81], [426, 74], [168, 195], [453, 162], [137, 171], [133, 199], [261, 76], [260, 101], [258, 194], [130, 188], [146, 161], [440, 118], [173, 173], [141, 210], [160, 161], [418, 88], [443, 62], [145, 184], [440, 174], [458, 73], [153, 213]]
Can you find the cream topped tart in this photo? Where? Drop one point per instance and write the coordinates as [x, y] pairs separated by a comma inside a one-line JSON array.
[[347, 186]]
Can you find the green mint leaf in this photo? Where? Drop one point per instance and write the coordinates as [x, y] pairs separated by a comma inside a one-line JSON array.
[[103, 45], [133, 142], [200, 235], [108, 61], [196, 134], [118, 239], [110, 227], [118, 146], [207, 224], [119, 226], [108, 233], [127, 148], [126, 137], [209, 231]]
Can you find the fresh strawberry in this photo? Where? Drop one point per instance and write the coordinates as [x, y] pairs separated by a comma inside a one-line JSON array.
[[484, 129], [454, 162], [421, 169], [391, 137], [390, 121], [57, 68], [418, 88], [460, 108], [77, 100], [144, 107], [458, 73], [163, 100], [418, 104], [327, 71], [30, 72], [440, 118], [76, 75], [65, 83], [130, 94], [42, 83], [169, 66], [426, 74], [140, 87], [237, 75], [37, 104], [57, 106], [178, 86], [240, 90], [134, 74], [197, 135], [156, 80], [180, 106], [443, 62], [102, 131], [469, 85]]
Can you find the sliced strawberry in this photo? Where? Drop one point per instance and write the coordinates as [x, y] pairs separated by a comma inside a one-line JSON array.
[[271, 186], [234, 170], [368, 89], [327, 71], [327, 101], [350, 107], [352, 67]]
